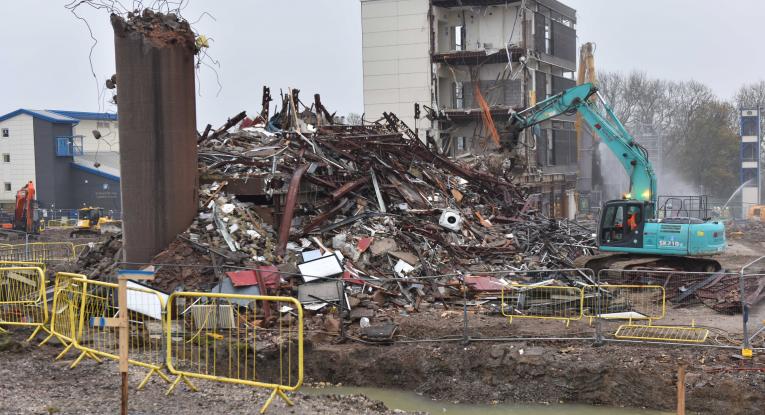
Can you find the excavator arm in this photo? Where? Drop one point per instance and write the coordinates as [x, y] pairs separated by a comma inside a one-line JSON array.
[[610, 130]]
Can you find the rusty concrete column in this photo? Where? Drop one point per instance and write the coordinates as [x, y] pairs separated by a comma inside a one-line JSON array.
[[157, 126]]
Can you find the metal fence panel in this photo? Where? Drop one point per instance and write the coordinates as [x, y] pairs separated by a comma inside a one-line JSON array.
[[214, 337], [39, 252], [68, 295], [542, 302], [12, 264], [23, 300], [700, 307], [99, 339], [625, 302], [62, 223]]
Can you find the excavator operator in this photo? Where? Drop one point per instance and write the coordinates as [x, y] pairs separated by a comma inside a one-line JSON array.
[[632, 218]]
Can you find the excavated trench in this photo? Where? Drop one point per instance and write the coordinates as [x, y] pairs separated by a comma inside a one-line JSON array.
[[518, 372]]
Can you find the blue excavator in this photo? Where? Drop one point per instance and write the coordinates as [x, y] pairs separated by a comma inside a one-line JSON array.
[[630, 234]]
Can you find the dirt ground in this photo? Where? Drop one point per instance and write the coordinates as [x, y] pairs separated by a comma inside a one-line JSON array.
[[612, 375], [481, 372], [31, 382], [484, 371]]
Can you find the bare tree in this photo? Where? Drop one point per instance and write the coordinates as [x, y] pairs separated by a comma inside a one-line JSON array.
[[353, 119], [694, 124], [688, 101], [750, 96]]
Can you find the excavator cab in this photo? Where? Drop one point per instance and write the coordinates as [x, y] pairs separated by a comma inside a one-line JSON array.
[[87, 217], [622, 223]]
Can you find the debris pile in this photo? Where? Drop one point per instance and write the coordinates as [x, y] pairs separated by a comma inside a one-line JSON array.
[[747, 230], [223, 221], [357, 217], [98, 259], [341, 185]]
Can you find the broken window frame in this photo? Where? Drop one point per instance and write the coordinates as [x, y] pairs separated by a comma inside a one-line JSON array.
[[550, 147], [461, 143], [457, 37], [458, 96]]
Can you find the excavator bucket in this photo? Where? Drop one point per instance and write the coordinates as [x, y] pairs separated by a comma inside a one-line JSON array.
[[111, 227]]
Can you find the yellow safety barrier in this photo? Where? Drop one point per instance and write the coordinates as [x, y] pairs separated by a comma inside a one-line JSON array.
[[39, 252], [68, 294], [542, 302], [99, 338], [625, 302], [63, 223], [11, 264], [217, 337], [681, 334], [23, 299]]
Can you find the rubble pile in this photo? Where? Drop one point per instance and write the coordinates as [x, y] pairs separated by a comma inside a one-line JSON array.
[[359, 217], [99, 259], [225, 222], [347, 184], [748, 230]]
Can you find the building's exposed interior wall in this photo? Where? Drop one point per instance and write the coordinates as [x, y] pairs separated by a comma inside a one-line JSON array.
[[399, 71], [484, 28], [550, 63]]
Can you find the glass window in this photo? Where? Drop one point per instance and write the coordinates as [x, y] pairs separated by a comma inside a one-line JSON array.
[[613, 224], [69, 146], [6, 132], [749, 125]]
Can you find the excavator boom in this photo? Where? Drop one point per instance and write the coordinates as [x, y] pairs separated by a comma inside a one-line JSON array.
[[630, 226]]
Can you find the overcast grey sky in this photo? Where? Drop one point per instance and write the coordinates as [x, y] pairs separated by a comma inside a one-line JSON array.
[[315, 45]]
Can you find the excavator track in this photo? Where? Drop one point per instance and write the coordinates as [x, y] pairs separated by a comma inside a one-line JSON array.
[[621, 262]]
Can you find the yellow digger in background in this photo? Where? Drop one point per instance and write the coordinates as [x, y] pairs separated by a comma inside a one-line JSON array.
[[756, 212], [92, 220]]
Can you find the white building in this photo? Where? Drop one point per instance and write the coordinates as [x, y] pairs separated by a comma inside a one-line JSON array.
[[50, 148]]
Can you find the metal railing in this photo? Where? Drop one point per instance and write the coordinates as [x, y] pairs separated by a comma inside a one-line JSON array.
[[216, 337], [39, 252], [23, 300]]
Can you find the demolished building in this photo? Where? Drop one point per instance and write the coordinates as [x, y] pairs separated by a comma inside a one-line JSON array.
[[468, 65]]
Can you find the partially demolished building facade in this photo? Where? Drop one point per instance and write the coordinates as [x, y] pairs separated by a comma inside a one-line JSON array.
[[461, 60]]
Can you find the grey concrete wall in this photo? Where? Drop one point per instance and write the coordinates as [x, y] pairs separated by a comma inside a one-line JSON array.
[[52, 181], [92, 189], [158, 153]]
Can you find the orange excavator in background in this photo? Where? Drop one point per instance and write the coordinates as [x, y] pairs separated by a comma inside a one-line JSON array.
[[25, 214]]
